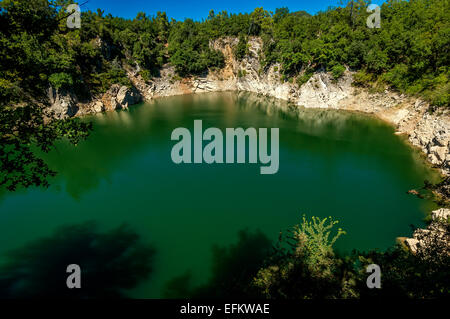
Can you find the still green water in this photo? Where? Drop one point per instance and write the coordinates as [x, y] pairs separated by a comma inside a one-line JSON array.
[[346, 165]]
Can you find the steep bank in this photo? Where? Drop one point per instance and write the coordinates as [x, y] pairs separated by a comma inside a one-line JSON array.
[[429, 132]]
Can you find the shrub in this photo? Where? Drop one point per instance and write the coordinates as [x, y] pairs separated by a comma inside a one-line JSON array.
[[337, 71], [241, 49], [59, 80]]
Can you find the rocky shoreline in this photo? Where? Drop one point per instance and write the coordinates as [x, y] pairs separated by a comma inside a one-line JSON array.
[[410, 116], [435, 236], [428, 131]]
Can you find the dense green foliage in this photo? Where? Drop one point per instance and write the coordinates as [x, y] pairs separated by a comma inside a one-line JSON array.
[[189, 49], [38, 52], [304, 265], [23, 127], [32, 56], [241, 49], [409, 52]]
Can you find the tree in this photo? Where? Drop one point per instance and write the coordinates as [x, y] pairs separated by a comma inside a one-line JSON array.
[[31, 45]]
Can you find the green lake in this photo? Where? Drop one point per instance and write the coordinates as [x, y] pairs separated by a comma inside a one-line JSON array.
[[332, 163]]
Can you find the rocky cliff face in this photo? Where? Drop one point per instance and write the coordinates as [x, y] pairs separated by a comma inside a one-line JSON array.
[[116, 98], [63, 104], [430, 132]]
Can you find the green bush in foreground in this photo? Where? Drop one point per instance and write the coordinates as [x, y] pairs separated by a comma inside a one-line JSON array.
[[305, 266]]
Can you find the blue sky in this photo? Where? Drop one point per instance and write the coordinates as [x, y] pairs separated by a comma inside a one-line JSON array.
[[198, 10]]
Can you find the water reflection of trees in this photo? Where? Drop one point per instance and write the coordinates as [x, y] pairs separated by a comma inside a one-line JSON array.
[[232, 270], [120, 137], [111, 263]]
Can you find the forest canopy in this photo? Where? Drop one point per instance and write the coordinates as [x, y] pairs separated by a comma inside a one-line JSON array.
[[410, 52]]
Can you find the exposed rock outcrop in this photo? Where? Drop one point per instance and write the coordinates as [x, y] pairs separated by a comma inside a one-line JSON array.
[[120, 97], [127, 96], [63, 104], [116, 98], [98, 107], [432, 134], [435, 236]]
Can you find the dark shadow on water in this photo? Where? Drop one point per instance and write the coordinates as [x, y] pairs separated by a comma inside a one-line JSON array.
[[111, 263], [233, 268]]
